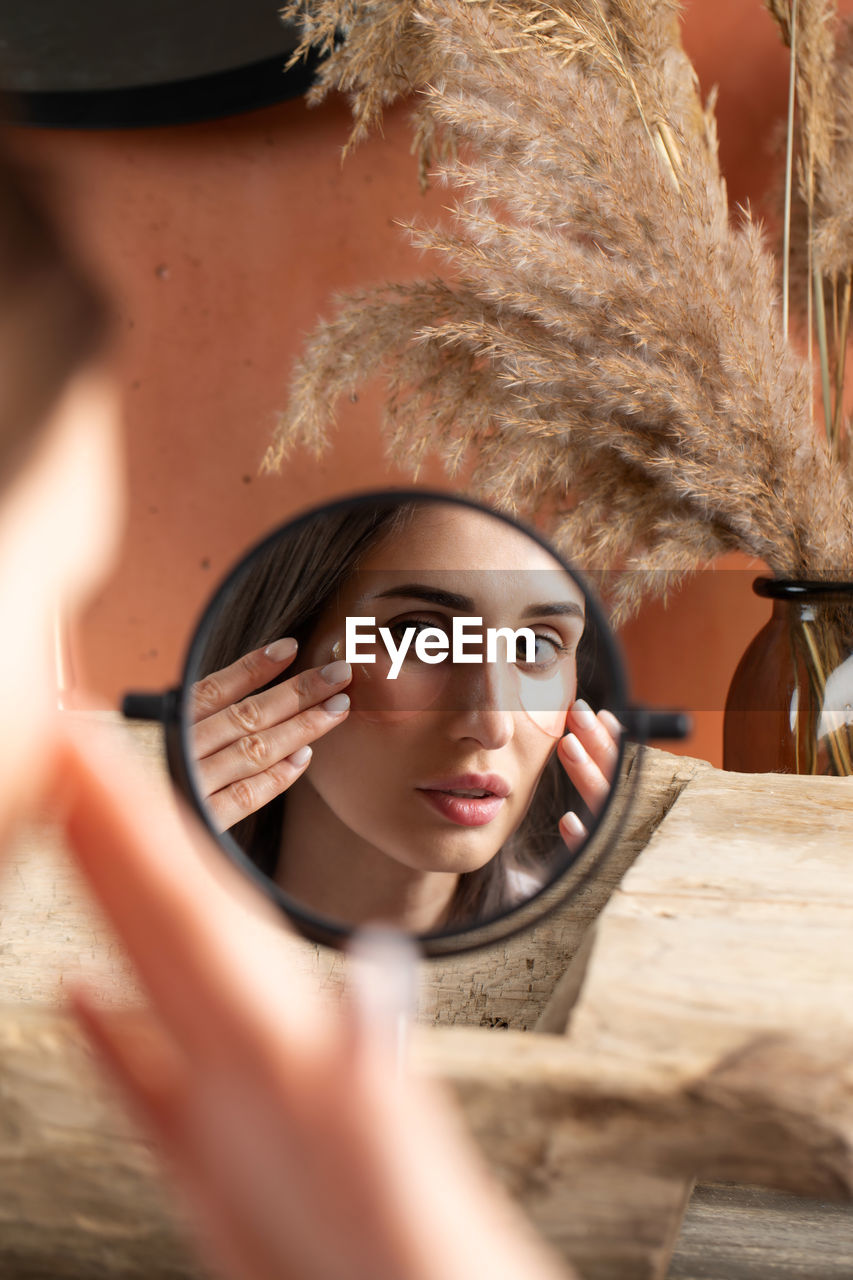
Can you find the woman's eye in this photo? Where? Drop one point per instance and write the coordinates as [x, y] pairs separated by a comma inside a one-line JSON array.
[[548, 650], [414, 626]]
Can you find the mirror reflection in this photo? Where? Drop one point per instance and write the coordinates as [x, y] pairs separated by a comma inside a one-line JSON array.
[[404, 711]]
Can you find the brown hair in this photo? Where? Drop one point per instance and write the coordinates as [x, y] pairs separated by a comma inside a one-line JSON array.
[[52, 320], [283, 591]]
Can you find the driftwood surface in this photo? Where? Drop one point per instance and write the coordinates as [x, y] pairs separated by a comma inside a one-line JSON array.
[[710, 1035], [738, 1233], [48, 924]]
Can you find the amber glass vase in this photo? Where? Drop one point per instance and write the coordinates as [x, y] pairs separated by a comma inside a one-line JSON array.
[[790, 704]]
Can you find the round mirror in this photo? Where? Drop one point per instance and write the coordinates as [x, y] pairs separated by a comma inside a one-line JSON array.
[[404, 709]]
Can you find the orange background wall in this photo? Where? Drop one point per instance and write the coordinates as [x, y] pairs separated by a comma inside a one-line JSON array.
[[222, 243]]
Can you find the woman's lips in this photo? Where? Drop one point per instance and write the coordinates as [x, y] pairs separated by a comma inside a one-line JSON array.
[[469, 800]]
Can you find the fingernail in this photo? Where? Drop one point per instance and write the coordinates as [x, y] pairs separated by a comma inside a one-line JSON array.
[[281, 649], [573, 748], [300, 757], [610, 723], [583, 715], [336, 672], [337, 705], [573, 824]]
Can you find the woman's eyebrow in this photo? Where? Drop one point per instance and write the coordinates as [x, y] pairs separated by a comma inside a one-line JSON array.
[[431, 595], [561, 608], [452, 600]]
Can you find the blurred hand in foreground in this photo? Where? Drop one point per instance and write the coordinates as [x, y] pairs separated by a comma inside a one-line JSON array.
[[300, 1153]]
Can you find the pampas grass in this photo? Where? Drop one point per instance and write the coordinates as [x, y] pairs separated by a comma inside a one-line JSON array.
[[603, 343], [822, 87]]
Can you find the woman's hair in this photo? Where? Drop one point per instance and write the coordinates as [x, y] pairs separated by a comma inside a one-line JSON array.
[[283, 592], [52, 320]]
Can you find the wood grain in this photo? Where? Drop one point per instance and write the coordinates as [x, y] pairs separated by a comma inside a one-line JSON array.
[[50, 927], [710, 1035], [749, 1233]]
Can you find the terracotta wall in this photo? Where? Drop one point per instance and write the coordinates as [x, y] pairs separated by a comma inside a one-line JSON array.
[[222, 243]]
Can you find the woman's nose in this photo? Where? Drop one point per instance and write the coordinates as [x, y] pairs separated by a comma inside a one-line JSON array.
[[482, 704]]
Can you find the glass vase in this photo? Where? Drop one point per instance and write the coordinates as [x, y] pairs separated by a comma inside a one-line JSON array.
[[790, 703]]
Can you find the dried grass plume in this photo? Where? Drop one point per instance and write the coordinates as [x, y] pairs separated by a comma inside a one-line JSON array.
[[603, 344]]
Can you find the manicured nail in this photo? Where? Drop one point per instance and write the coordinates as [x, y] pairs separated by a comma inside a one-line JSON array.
[[300, 757], [573, 748], [611, 724], [281, 649], [336, 672], [573, 825], [337, 705], [583, 714]]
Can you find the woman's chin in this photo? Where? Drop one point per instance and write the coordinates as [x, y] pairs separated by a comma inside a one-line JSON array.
[[454, 853]]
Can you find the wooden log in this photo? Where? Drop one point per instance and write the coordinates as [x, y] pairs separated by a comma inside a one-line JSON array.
[[711, 1035], [80, 1192], [599, 1167], [749, 1233], [720, 975], [49, 924]]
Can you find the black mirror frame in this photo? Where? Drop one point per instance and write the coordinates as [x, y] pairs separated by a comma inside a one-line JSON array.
[[637, 721]]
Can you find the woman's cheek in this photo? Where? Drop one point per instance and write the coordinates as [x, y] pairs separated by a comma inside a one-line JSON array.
[[374, 697], [551, 723], [546, 702], [356, 755], [379, 698]]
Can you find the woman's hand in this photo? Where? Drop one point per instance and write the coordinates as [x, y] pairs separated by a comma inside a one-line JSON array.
[[589, 753], [299, 1152], [249, 747]]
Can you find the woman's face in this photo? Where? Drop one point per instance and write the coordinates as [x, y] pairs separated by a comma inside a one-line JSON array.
[[59, 525], [437, 767]]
